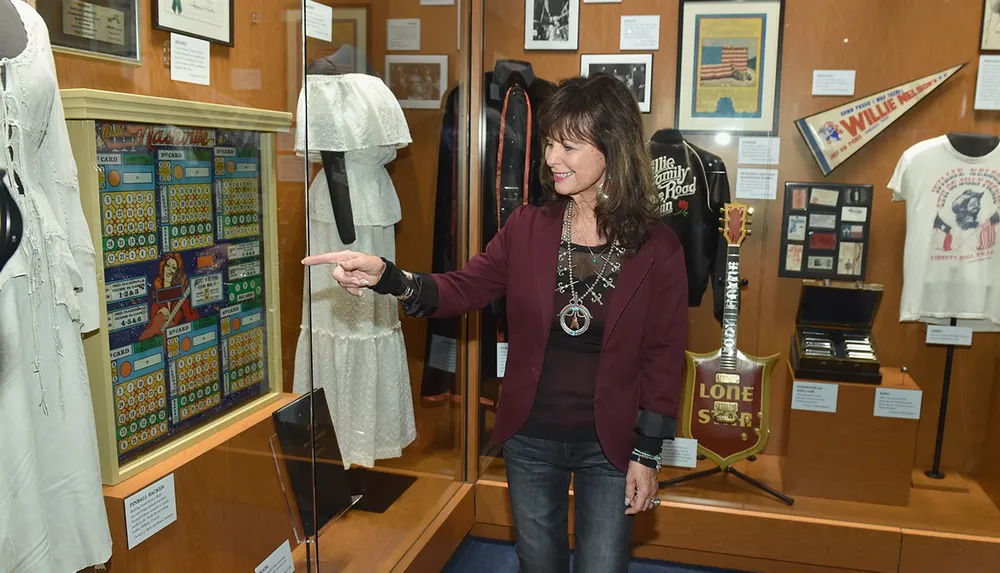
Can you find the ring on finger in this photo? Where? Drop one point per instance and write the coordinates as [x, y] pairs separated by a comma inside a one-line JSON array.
[[655, 501]]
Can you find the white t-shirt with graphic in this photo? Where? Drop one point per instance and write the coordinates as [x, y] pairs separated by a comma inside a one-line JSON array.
[[951, 268]]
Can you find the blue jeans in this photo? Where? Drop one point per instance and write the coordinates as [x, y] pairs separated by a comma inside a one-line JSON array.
[[538, 477]]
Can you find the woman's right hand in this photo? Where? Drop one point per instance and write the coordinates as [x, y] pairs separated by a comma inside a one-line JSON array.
[[354, 271]]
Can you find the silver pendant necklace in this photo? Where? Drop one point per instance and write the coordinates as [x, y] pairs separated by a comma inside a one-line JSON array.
[[575, 317]]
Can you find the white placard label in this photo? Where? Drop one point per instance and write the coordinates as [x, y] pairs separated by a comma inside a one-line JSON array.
[[319, 21], [897, 403], [757, 184], [640, 33], [833, 82], [680, 453], [278, 562], [988, 83], [403, 34], [951, 335], [759, 150], [501, 359], [190, 60], [443, 353], [814, 397], [150, 510]]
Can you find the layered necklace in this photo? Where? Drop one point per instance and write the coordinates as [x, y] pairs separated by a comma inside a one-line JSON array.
[[575, 317]]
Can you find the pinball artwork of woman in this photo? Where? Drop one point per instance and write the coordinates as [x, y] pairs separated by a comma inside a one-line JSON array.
[[52, 515]]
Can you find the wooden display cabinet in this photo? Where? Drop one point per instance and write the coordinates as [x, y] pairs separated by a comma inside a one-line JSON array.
[[181, 203]]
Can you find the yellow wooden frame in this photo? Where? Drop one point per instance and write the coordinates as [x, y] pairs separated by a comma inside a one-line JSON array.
[[83, 107]]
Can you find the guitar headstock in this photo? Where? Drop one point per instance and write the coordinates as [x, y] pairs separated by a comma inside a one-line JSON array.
[[736, 219]]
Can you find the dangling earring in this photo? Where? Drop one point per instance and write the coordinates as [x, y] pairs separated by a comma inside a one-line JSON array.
[[601, 195]]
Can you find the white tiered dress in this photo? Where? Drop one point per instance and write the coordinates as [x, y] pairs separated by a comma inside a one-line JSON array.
[[353, 346], [52, 515]]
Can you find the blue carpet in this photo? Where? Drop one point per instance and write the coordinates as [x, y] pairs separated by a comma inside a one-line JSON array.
[[484, 555]]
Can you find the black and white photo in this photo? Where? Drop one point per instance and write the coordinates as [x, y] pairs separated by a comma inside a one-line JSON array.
[[417, 81], [551, 24], [633, 70]]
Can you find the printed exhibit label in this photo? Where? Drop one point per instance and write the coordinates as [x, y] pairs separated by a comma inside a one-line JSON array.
[[150, 510]]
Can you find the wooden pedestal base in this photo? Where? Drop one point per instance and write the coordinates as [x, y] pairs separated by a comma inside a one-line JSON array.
[[852, 455]]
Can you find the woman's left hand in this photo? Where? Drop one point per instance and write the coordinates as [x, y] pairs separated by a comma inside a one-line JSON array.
[[640, 488]]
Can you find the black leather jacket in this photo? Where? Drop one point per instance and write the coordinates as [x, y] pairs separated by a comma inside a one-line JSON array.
[[693, 187]]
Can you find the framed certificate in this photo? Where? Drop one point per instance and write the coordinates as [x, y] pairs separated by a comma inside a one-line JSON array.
[[107, 29], [210, 20]]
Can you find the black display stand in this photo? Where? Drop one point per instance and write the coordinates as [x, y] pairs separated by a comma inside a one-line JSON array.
[[730, 470], [935, 471]]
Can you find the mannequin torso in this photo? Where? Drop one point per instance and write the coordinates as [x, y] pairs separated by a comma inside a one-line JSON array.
[[973, 144], [13, 38]]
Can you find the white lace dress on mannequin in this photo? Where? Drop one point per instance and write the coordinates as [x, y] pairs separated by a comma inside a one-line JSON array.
[[353, 346], [52, 516]]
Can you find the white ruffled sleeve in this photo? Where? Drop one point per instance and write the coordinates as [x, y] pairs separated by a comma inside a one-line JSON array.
[[346, 113]]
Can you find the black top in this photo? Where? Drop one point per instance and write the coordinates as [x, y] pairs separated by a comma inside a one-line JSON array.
[[564, 401]]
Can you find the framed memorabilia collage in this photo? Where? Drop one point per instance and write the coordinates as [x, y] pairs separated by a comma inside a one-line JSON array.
[[729, 61], [825, 231]]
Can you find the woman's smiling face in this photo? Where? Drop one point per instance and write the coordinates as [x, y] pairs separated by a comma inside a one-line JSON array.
[[576, 166]]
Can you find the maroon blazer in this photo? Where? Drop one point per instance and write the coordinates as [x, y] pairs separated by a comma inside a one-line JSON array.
[[642, 357]]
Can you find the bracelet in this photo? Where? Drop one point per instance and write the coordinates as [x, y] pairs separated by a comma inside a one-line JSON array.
[[646, 459]]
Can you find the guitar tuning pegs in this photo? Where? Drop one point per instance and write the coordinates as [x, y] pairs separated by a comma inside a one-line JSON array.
[[749, 232], [750, 211]]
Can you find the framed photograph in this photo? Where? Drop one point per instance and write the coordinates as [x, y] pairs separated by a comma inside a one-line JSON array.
[[551, 24], [729, 66], [633, 70], [106, 29], [210, 20], [825, 231], [989, 39], [419, 82]]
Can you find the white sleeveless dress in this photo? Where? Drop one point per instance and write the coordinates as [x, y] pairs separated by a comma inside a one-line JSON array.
[[353, 346], [52, 515]]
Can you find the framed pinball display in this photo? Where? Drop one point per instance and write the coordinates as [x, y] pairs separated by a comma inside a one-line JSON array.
[[180, 200]]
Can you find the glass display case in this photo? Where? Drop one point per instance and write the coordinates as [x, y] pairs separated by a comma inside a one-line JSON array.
[[782, 116], [227, 391], [248, 410]]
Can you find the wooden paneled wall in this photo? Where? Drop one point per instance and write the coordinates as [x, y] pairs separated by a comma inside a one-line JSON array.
[[888, 43]]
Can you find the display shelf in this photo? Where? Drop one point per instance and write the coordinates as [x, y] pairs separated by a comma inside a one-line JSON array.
[[180, 198]]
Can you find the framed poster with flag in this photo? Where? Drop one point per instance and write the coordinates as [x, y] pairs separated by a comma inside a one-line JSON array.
[[729, 66]]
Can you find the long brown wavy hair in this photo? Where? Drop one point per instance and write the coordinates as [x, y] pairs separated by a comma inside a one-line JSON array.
[[600, 110]]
